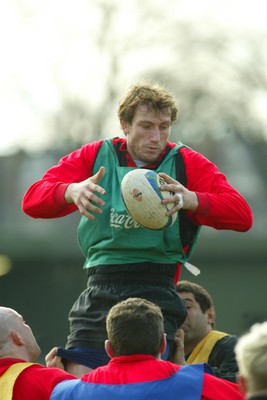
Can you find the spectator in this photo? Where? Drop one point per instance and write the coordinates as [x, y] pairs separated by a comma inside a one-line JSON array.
[[251, 355], [20, 377], [135, 341], [198, 341], [124, 259]]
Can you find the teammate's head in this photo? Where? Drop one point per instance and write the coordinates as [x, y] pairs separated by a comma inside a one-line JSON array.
[[16, 337], [251, 356], [201, 314], [135, 326], [202, 297]]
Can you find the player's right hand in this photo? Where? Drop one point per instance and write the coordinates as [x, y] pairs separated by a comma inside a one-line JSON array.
[[52, 360], [83, 194], [178, 356]]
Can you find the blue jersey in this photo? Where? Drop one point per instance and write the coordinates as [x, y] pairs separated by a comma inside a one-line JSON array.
[[185, 384]]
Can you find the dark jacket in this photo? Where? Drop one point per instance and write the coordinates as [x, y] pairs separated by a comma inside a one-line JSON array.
[[222, 358]]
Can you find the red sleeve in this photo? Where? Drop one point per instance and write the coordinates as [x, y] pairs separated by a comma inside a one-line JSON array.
[[45, 198], [220, 205], [220, 389], [37, 382]]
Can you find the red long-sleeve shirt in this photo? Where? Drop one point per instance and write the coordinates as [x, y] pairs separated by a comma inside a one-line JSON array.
[[145, 368], [220, 205], [35, 382]]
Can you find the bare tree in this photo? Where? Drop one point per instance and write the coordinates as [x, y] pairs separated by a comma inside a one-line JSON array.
[[215, 75]]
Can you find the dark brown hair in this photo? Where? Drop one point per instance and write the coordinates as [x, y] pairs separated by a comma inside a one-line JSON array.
[[202, 297], [135, 326]]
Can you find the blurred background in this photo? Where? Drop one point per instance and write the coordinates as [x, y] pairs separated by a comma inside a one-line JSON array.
[[64, 66]]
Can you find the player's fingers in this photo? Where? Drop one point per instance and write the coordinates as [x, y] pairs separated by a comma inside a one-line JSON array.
[[50, 357], [179, 200], [180, 334], [90, 204], [90, 197], [168, 179], [176, 199], [96, 177]]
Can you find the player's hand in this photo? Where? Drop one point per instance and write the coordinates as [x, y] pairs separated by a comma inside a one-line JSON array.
[[52, 360], [84, 195], [178, 354], [179, 195]]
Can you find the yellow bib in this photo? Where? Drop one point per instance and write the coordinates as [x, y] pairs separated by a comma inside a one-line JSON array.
[[203, 349], [8, 379]]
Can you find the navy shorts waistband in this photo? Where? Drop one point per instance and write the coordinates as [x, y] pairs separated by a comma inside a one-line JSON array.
[[137, 268], [130, 277], [145, 272]]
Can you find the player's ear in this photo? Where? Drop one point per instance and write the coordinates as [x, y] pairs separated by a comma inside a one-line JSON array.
[[242, 384], [17, 339], [211, 315], [163, 344], [109, 349], [125, 127]]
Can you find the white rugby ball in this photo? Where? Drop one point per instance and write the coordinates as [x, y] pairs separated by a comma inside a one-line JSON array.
[[142, 198]]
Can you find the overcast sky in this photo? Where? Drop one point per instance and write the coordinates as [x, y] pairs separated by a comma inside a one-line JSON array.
[[43, 54]]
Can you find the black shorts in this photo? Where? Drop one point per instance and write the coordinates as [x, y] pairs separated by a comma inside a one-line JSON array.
[[107, 285]]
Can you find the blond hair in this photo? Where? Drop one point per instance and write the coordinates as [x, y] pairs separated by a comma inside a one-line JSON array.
[[251, 356]]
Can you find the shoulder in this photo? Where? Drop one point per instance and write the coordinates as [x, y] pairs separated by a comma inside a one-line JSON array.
[[95, 146], [67, 387], [220, 389], [224, 349], [118, 140], [92, 146], [191, 156], [39, 374], [38, 381], [227, 341], [87, 151]]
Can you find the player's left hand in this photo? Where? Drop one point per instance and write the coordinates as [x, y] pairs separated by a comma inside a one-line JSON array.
[[179, 195]]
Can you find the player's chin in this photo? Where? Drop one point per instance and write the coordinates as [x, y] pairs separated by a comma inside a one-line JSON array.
[[150, 157]]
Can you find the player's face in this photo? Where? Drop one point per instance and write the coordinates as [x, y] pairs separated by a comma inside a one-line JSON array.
[[31, 345], [148, 134], [198, 323]]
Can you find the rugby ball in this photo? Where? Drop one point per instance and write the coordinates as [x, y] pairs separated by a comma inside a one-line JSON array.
[[142, 198]]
